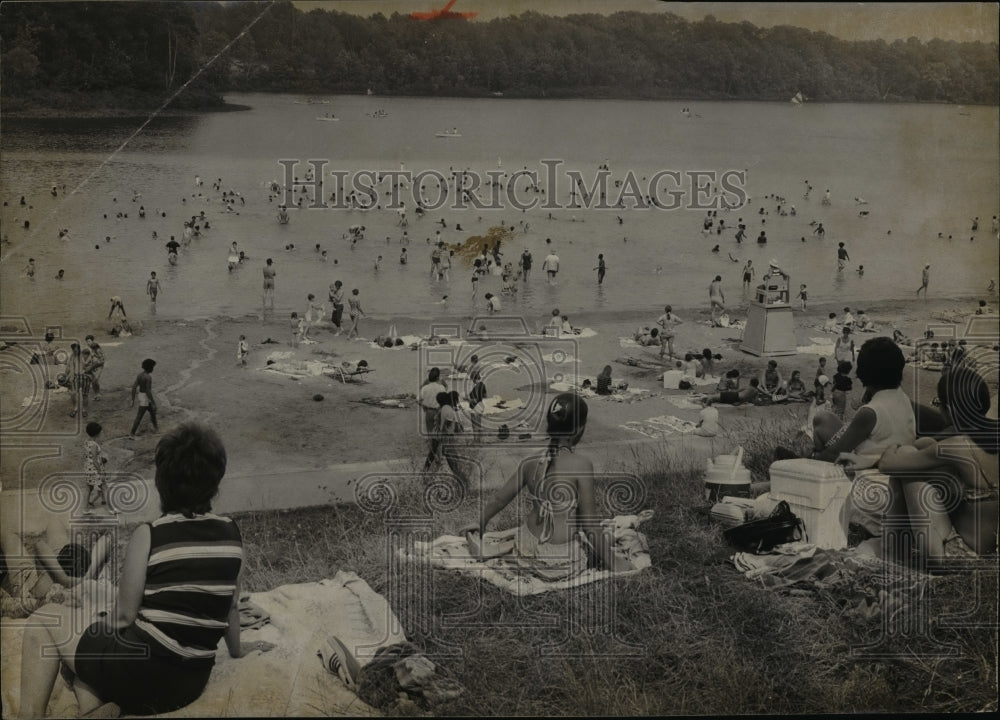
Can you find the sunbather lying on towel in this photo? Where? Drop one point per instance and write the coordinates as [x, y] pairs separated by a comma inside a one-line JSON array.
[[647, 337], [560, 488]]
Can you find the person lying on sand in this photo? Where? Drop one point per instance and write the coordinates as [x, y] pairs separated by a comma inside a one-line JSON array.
[[647, 337]]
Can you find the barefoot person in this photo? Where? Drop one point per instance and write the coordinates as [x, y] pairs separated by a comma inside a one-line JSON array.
[[152, 287], [337, 300], [667, 321], [355, 313], [925, 278], [154, 651], [559, 488], [717, 299], [143, 387], [269, 274]]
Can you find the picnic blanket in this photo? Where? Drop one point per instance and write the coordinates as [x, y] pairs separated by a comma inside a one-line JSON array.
[[287, 681], [660, 427], [863, 585], [452, 552]]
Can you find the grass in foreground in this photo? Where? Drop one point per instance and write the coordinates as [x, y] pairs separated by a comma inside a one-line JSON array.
[[691, 636]]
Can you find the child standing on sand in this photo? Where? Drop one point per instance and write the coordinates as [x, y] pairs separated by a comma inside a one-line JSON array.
[[242, 350], [93, 468], [842, 385], [803, 295], [298, 326], [820, 372]]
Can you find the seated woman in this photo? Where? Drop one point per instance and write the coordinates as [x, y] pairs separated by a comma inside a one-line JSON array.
[[797, 388], [559, 487], [731, 381], [951, 482], [604, 381], [771, 381], [885, 419], [863, 323], [154, 651]]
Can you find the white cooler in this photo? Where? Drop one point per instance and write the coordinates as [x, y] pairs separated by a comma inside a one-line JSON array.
[[816, 491]]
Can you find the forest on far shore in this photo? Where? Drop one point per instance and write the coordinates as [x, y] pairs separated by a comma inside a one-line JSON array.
[[137, 51]]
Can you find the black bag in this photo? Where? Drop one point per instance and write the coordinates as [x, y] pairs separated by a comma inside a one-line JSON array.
[[782, 526]]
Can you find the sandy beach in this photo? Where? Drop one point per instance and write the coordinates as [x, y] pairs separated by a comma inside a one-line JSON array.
[[271, 423]]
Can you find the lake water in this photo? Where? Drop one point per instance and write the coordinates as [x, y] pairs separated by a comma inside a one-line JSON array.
[[923, 169]]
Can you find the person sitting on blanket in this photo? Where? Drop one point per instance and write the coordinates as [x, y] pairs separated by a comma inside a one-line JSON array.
[[708, 423], [153, 651], [864, 323], [771, 381], [736, 397], [646, 337], [951, 482], [731, 381], [796, 388], [559, 487], [692, 366], [830, 325], [604, 381]]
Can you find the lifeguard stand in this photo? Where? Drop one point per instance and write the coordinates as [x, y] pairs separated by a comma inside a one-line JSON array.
[[770, 330]]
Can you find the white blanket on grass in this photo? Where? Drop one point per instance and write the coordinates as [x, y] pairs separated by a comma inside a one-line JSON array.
[[287, 681], [452, 553], [660, 427]]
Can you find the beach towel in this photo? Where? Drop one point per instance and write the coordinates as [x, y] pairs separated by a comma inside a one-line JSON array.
[[641, 363], [287, 681], [817, 349], [452, 552], [628, 342], [660, 427], [684, 402], [862, 585], [302, 368]]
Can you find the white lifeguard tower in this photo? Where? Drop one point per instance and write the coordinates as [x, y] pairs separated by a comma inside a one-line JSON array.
[[770, 330]]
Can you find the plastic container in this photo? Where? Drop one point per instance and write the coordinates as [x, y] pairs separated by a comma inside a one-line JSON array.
[[726, 475], [817, 492]]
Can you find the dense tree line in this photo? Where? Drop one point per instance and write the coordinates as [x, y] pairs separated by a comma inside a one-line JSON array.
[[154, 48]]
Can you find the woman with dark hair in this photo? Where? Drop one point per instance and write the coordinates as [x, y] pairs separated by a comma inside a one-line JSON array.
[[604, 381], [154, 652], [559, 487], [952, 483], [886, 418]]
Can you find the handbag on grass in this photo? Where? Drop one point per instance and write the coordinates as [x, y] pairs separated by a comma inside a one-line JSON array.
[[781, 526]]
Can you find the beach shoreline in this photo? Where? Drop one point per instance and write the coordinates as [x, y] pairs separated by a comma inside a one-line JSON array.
[[270, 421]]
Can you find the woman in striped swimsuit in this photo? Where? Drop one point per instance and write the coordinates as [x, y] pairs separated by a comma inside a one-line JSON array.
[[153, 651]]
